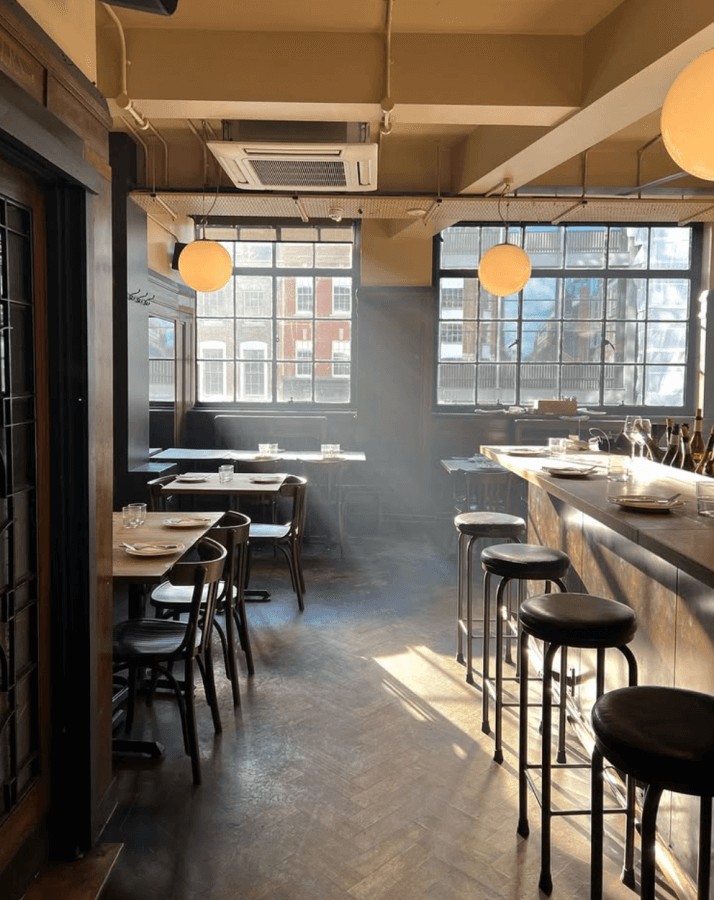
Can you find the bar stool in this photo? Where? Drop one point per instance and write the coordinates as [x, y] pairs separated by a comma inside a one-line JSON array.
[[513, 562], [662, 737], [472, 526], [568, 620]]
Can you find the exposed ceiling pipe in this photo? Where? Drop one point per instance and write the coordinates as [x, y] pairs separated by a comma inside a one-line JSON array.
[[203, 148], [144, 145], [387, 104], [123, 100], [166, 152]]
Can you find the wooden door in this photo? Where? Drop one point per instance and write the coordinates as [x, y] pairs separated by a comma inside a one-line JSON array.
[[24, 520]]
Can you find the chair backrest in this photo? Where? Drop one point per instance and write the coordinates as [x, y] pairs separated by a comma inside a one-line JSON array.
[[232, 532], [295, 486], [157, 500], [203, 575]]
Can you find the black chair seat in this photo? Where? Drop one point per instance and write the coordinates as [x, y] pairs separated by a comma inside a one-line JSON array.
[[659, 735], [578, 620], [525, 561], [490, 524], [148, 638]]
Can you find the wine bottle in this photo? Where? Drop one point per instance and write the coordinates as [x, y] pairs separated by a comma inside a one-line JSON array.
[[649, 443], [672, 447], [708, 458], [696, 444], [686, 462]]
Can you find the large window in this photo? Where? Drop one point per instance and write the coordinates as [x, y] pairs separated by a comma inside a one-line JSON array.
[[606, 317], [281, 330]]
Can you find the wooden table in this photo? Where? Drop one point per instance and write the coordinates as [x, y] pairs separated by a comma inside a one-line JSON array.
[[136, 572]]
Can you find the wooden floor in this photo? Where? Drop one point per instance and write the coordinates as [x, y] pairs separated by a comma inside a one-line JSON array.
[[356, 768]]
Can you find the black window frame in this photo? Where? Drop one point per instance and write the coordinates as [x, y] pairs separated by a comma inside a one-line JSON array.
[[273, 404], [693, 274]]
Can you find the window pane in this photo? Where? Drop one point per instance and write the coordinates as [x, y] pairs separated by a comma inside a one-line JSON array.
[[333, 296], [666, 343], [626, 298], [623, 385], [627, 248], [497, 384], [215, 381], [217, 303], [671, 248], [626, 342], [664, 385], [290, 332], [254, 295], [253, 254], [330, 387], [583, 298], [545, 245], [333, 256], [457, 341], [582, 382], [294, 387], [540, 382], [540, 298], [585, 247], [668, 299], [540, 341], [460, 248], [252, 335], [295, 297], [456, 384], [162, 363], [294, 256], [326, 332], [498, 341], [582, 341], [253, 378], [212, 334]]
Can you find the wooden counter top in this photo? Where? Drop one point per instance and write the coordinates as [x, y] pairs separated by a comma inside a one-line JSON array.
[[679, 536]]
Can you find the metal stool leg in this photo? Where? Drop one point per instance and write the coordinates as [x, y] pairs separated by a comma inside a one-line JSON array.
[[469, 612], [460, 599], [523, 828], [649, 830], [597, 825], [545, 882], [485, 668], [501, 611], [705, 844]]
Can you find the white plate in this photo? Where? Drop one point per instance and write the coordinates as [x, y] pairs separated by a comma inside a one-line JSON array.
[[266, 456], [154, 549], [266, 479], [526, 451], [191, 479], [649, 504], [568, 471], [184, 523]]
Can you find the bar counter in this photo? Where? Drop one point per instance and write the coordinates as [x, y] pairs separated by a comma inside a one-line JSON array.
[[659, 563]]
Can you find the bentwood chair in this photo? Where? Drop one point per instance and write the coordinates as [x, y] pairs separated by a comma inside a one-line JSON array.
[[173, 601], [158, 644], [158, 502], [287, 537]]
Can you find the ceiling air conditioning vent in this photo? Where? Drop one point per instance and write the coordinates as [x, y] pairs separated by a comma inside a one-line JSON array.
[[297, 156]]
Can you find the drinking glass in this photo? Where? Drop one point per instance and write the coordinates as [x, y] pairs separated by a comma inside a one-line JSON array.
[[705, 498], [630, 431], [617, 468], [330, 450], [134, 514], [268, 449], [225, 473], [557, 446]]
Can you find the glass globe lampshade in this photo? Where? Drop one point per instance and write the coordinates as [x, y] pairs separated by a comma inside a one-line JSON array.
[[205, 265], [687, 124], [504, 270]]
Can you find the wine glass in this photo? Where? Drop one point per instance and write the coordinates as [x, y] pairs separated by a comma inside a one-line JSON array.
[[631, 432], [645, 435]]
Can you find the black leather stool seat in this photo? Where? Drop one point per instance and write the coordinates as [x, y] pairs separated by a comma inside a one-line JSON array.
[[525, 561], [490, 524], [578, 620], [659, 735]]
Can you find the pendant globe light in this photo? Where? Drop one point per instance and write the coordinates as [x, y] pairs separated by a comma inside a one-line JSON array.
[[505, 268], [686, 123], [205, 265]]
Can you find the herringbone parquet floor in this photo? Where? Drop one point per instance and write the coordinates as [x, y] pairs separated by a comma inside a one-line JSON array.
[[356, 768]]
